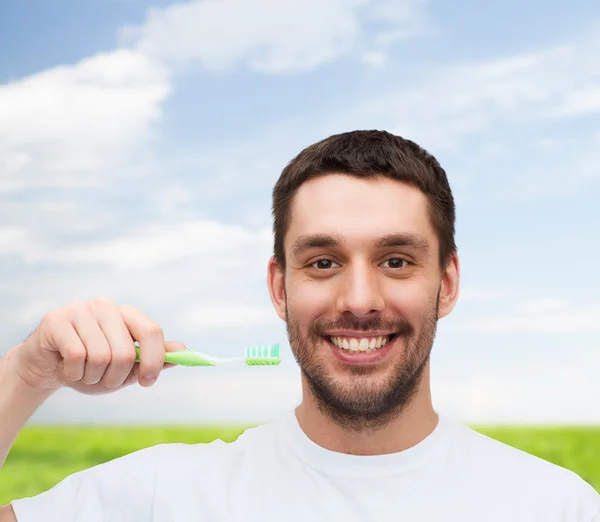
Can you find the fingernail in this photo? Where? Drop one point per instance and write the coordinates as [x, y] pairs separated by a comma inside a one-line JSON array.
[[148, 380]]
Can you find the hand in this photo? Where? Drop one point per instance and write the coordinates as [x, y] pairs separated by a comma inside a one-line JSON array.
[[89, 346]]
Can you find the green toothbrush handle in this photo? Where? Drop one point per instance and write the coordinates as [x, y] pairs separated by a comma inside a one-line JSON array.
[[186, 358], [182, 358]]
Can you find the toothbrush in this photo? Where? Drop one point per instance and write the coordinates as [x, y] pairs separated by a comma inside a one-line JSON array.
[[262, 355]]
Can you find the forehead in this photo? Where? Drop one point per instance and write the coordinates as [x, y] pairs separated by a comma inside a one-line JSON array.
[[358, 208]]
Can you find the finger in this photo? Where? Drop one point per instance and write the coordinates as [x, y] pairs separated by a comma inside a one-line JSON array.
[[150, 337], [98, 354], [70, 347], [173, 346], [120, 342], [133, 377]]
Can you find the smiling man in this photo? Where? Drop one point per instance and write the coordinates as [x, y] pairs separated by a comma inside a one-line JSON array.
[[364, 266]]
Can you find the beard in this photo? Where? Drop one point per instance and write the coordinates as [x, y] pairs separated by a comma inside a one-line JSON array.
[[364, 404]]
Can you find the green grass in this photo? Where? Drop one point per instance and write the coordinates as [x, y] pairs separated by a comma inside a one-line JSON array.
[[574, 448], [42, 456]]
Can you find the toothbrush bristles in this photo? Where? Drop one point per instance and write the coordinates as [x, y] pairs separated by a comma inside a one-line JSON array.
[[262, 354]]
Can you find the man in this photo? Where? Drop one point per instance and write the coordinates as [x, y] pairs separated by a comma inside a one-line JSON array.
[[364, 266]]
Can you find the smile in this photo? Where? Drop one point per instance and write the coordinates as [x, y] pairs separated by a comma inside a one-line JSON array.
[[360, 344]]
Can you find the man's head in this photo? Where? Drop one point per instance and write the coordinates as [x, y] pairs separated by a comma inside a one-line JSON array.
[[364, 256]]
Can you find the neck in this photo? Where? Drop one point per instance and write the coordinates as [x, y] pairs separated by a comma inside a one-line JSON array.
[[413, 424]]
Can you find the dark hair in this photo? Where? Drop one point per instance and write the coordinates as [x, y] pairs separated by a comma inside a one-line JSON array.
[[367, 154]]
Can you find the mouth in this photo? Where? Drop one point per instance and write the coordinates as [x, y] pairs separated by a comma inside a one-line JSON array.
[[361, 349]]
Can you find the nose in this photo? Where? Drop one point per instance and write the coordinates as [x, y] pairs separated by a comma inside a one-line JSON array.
[[359, 291]]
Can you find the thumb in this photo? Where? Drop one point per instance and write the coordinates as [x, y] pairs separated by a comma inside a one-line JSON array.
[[173, 346]]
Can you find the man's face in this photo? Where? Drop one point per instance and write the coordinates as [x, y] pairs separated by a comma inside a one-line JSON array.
[[361, 293]]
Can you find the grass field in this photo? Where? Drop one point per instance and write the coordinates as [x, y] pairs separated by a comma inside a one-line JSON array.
[[42, 456]]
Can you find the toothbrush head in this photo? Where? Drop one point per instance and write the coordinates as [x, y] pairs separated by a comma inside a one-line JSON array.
[[263, 355]]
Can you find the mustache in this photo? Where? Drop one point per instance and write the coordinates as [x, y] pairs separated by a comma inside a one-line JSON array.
[[397, 326]]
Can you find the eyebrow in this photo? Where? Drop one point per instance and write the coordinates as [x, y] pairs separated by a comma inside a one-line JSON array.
[[406, 239], [306, 242]]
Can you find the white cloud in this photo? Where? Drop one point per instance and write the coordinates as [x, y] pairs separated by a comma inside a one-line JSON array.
[[541, 392], [481, 294], [227, 315], [157, 245], [15, 241], [148, 247], [185, 396], [545, 317], [491, 310], [400, 20], [168, 202], [190, 276], [271, 36], [78, 125], [458, 101], [580, 101], [375, 59], [543, 306]]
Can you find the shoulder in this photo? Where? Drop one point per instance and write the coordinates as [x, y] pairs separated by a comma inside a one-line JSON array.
[[191, 455], [507, 468]]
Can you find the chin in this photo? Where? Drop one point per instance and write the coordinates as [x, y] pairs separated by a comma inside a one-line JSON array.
[[364, 392], [363, 382]]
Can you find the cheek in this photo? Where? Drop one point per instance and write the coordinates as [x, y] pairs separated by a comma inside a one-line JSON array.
[[309, 299], [412, 300]]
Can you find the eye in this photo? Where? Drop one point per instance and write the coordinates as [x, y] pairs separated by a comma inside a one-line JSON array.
[[396, 262], [324, 264]]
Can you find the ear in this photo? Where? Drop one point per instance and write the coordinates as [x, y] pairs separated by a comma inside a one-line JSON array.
[[276, 282], [449, 287]]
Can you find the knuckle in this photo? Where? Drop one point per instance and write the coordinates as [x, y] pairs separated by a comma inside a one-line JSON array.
[[76, 306], [124, 358], [53, 318], [71, 311], [74, 354], [102, 358], [52, 323], [101, 303], [154, 330]]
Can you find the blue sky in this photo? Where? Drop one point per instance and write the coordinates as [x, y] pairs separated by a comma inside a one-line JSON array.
[[139, 143]]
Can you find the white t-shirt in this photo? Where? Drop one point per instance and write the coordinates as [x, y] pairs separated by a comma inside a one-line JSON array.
[[274, 472]]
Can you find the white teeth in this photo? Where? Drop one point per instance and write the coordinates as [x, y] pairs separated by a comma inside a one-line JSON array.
[[362, 344]]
